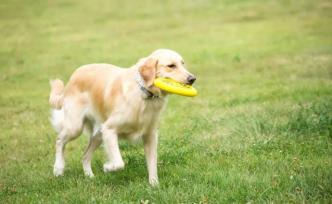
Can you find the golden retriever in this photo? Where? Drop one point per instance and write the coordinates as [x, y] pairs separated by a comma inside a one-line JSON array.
[[112, 103]]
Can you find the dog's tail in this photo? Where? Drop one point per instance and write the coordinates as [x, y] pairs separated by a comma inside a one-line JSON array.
[[56, 102], [56, 94]]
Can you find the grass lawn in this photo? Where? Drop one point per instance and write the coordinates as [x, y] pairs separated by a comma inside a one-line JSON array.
[[259, 131]]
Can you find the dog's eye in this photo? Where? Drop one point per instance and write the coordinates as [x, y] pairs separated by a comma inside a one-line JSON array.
[[171, 66], [182, 62]]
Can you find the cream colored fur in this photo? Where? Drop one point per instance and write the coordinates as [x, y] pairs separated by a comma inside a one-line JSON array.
[[107, 101]]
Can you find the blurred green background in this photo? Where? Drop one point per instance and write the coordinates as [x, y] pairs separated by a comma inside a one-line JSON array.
[[259, 131]]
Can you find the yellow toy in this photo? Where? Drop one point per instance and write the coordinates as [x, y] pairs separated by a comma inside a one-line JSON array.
[[175, 87]]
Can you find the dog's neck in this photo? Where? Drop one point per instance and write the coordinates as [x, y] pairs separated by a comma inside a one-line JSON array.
[[149, 93]]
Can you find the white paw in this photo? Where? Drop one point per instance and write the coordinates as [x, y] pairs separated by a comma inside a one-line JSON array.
[[89, 174], [154, 181], [58, 171], [87, 169], [113, 166]]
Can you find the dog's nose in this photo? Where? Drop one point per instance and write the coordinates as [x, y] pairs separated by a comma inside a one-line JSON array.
[[191, 79]]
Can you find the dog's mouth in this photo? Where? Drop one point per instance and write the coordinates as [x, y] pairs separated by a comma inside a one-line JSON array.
[[180, 82]]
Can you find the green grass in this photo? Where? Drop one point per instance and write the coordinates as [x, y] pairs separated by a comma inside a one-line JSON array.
[[259, 131]]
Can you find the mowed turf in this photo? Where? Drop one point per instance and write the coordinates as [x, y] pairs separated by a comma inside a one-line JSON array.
[[259, 130]]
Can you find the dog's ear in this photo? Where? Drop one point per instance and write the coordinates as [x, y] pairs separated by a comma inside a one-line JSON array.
[[147, 70]]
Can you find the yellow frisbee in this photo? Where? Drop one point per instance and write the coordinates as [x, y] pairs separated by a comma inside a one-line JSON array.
[[175, 87]]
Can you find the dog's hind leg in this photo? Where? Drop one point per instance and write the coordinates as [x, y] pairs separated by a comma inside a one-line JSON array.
[[71, 128], [59, 163], [95, 142]]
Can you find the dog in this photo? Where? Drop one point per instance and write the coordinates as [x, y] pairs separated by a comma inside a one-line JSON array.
[[113, 103]]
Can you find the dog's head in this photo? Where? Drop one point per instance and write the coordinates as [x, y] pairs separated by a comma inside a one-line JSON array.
[[167, 64]]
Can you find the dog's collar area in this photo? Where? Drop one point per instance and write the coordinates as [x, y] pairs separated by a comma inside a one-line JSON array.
[[140, 82]]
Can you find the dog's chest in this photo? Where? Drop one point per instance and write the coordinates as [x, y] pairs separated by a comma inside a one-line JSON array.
[[135, 120]]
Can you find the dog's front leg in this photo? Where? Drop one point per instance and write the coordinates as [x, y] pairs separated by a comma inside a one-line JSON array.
[[150, 149], [111, 145]]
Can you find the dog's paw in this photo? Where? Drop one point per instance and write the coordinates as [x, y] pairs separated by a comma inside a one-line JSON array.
[[113, 166], [154, 182], [89, 174], [87, 169], [58, 171]]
